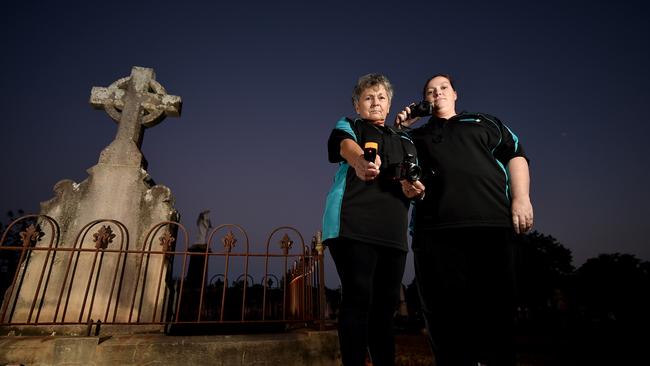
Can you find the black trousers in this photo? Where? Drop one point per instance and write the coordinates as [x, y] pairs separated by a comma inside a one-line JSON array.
[[371, 277], [467, 287]]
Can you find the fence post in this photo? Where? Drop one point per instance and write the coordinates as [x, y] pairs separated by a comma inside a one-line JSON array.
[[320, 248]]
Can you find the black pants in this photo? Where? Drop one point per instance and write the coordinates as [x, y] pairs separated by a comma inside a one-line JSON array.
[[371, 277], [466, 283]]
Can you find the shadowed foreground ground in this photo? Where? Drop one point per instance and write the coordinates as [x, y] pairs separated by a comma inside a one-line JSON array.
[[560, 348], [413, 350]]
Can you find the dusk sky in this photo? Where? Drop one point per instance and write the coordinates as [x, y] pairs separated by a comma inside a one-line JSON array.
[[263, 83]]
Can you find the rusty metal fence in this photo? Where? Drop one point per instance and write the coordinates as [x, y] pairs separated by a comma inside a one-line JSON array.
[[101, 276]]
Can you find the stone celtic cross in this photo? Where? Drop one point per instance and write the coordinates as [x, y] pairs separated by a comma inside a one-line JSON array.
[[134, 102]]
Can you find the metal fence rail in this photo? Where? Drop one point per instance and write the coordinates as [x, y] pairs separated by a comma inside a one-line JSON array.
[[101, 276]]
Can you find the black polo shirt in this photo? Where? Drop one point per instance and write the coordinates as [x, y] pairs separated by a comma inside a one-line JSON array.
[[374, 212], [470, 187]]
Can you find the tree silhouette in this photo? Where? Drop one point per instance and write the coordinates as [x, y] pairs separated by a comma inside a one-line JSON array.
[[614, 287], [9, 258], [613, 295], [544, 277]]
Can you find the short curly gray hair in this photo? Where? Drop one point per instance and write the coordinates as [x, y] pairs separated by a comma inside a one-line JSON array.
[[369, 81]]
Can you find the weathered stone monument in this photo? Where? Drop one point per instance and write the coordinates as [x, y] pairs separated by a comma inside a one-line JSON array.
[[203, 225], [107, 259], [117, 188], [196, 276]]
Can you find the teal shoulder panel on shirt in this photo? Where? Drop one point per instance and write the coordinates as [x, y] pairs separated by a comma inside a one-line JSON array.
[[345, 124], [332, 214]]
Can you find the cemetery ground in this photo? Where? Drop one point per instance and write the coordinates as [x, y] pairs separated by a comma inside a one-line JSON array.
[[560, 346]]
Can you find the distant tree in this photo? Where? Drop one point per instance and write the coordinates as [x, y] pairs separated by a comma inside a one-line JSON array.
[[545, 271], [9, 258], [4, 226], [614, 298], [614, 288], [13, 238]]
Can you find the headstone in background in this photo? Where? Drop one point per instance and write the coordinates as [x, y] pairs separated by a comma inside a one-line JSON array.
[[117, 188]]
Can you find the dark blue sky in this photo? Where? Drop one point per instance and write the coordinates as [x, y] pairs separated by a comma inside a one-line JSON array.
[[264, 82]]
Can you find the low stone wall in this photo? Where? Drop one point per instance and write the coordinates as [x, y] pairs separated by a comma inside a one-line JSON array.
[[318, 348]]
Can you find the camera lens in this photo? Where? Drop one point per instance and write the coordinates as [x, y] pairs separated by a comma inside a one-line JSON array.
[[414, 173]]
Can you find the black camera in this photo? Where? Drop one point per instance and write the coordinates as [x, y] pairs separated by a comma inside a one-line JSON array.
[[422, 109], [407, 169]]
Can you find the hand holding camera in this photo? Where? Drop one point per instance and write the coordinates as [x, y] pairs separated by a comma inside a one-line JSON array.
[[412, 113], [406, 170], [409, 177], [421, 109], [413, 189]]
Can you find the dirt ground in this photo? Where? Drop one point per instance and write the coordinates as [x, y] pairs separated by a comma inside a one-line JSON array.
[[412, 350]]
